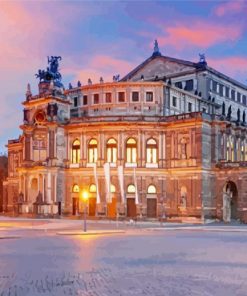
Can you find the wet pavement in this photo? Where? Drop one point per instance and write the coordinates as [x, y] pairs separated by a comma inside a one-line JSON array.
[[141, 261]]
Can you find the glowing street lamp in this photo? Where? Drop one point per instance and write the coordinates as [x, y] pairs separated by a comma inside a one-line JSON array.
[[85, 199]]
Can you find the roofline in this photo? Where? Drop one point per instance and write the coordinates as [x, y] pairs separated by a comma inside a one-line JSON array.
[[197, 66]]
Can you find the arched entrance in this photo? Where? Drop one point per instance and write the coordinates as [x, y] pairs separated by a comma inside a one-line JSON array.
[[230, 202], [151, 201], [131, 204]]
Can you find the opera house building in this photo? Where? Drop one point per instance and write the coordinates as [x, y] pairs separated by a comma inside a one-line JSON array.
[[168, 139]]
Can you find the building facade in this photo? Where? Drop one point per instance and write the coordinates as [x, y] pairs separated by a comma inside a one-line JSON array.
[[164, 140]]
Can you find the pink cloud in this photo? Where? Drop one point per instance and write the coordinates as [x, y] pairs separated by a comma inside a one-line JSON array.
[[235, 66], [230, 7], [200, 34], [105, 66]]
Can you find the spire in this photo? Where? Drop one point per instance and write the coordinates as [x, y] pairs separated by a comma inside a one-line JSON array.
[[28, 92], [156, 52]]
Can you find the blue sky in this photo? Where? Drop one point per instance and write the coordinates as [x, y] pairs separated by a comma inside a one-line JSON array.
[[104, 38]]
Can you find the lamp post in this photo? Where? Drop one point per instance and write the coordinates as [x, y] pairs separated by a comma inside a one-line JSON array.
[[85, 199]]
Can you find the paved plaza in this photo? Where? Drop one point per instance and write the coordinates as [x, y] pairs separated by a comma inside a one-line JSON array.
[[143, 259]]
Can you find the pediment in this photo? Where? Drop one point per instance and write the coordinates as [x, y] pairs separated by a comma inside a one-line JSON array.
[[160, 66]]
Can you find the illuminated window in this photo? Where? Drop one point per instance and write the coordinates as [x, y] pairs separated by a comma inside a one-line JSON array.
[[76, 151], [92, 151], [92, 188], [76, 189], [131, 189], [228, 149], [232, 149], [152, 189], [131, 150], [111, 150], [242, 151], [113, 188], [152, 149]]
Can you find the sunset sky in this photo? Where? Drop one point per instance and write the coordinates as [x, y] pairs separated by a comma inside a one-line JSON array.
[[104, 38]]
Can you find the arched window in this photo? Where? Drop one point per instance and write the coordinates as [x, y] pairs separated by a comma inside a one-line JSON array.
[[92, 151], [113, 188], [152, 189], [76, 189], [76, 151], [131, 189], [242, 150], [92, 188], [152, 149], [131, 150], [111, 150]]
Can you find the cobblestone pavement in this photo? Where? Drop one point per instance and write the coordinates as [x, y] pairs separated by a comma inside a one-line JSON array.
[[136, 263]]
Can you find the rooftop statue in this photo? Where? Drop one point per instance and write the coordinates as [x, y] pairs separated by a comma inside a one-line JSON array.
[[51, 72], [202, 59], [156, 49]]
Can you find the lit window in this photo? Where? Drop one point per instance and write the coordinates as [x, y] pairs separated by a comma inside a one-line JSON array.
[[149, 96], [233, 149], [121, 96], [131, 151], [228, 149], [152, 189], [92, 188], [76, 151], [152, 149], [242, 151], [113, 188], [135, 96], [131, 189], [96, 98], [76, 189], [92, 151], [111, 151], [108, 97]]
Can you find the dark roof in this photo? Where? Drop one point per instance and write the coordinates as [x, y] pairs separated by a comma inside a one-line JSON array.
[[197, 66]]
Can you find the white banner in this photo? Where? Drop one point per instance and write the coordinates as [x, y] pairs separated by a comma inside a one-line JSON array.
[[108, 181], [121, 182], [96, 183], [136, 191]]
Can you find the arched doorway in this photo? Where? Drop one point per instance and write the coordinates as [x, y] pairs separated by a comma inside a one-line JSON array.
[[75, 199], [131, 205], [230, 201], [151, 201]]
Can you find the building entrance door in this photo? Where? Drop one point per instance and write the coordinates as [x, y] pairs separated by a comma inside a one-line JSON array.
[[75, 206], [111, 208], [131, 208], [151, 207], [92, 206]]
